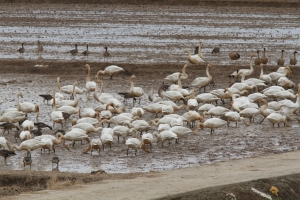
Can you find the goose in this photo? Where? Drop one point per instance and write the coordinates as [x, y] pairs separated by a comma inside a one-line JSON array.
[[247, 72], [75, 134], [86, 52], [135, 91], [285, 83], [46, 97], [28, 125], [87, 127], [211, 123], [235, 117], [54, 140], [12, 117], [74, 52], [27, 107], [56, 116], [202, 82], [257, 61], [215, 50], [265, 110], [250, 113], [24, 135], [281, 60], [174, 77], [181, 132], [265, 77], [207, 98], [135, 143], [150, 95], [72, 103], [94, 144], [234, 56], [111, 70], [122, 131], [55, 160], [154, 108], [193, 59], [147, 138], [106, 54], [22, 49], [293, 61], [165, 135], [264, 59], [27, 160], [6, 153], [30, 145], [39, 48], [276, 118], [106, 138], [90, 85]]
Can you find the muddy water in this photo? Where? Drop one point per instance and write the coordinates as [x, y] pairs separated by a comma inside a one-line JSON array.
[[145, 34]]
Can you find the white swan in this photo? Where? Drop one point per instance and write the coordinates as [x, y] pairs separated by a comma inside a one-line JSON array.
[[235, 117], [276, 118], [94, 144], [90, 85], [247, 72], [27, 107], [28, 125], [12, 116], [25, 135], [140, 125], [90, 120], [106, 138], [89, 112], [135, 91], [285, 83], [207, 98], [192, 116], [211, 123], [54, 140], [206, 107], [202, 82], [163, 127], [30, 145], [192, 103], [194, 59], [174, 77], [75, 134], [111, 70], [265, 111], [122, 131], [264, 77], [88, 127], [181, 131], [165, 135], [167, 109], [147, 138], [134, 143], [276, 75], [72, 103], [154, 108], [56, 116], [250, 113]]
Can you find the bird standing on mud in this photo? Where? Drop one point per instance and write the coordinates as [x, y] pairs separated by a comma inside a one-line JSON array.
[[106, 54], [74, 52], [22, 49]]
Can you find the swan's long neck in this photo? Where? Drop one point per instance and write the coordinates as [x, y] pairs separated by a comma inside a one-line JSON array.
[[58, 85], [243, 77], [18, 102], [179, 82], [207, 73], [88, 79], [261, 72], [183, 71], [251, 66], [54, 102], [131, 84], [74, 93], [199, 49], [265, 106]]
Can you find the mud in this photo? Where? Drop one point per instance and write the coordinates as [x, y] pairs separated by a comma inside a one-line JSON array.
[[147, 41]]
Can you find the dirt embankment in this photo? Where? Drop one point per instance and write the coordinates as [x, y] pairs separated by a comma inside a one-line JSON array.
[[254, 3]]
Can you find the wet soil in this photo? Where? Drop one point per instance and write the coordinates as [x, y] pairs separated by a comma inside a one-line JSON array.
[[143, 42]]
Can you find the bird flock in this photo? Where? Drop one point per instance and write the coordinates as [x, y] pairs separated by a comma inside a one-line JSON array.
[[270, 96]]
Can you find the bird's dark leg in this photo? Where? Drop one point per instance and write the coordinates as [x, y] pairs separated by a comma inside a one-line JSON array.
[[111, 76], [135, 151], [262, 120]]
